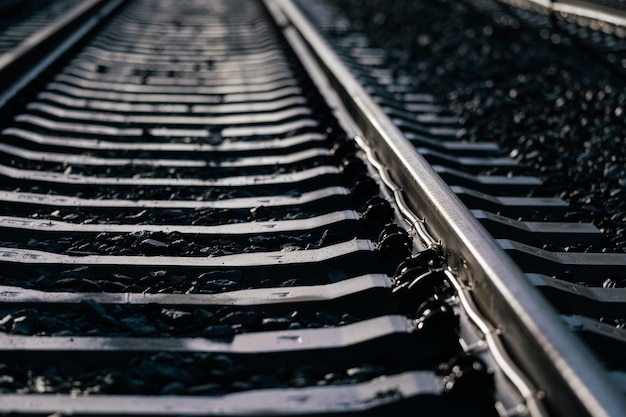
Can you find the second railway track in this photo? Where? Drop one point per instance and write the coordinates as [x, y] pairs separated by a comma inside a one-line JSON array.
[[203, 213]]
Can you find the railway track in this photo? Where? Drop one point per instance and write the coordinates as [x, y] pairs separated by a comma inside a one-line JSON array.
[[22, 19], [203, 212]]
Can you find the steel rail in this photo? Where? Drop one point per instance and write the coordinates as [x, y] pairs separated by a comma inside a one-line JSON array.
[[592, 11], [568, 379], [22, 65], [586, 9]]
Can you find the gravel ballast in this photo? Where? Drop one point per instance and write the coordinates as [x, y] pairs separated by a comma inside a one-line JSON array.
[[552, 105], [172, 374]]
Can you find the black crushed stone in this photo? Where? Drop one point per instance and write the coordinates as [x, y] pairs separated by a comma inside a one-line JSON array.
[[163, 193], [174, 374], [90, 318], [144, 243], [197, 217], [137, 171], [90, 279], [556, 109]]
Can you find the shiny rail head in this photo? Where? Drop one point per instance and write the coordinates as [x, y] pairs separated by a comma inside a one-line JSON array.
[[599, 13], [573, 378]]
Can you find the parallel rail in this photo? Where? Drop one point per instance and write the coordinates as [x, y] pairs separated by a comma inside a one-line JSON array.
[[611, 12]]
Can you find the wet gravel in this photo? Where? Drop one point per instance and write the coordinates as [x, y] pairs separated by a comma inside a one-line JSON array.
[[552, 106], [138, 170], [172, 192], [173, 374], [199, 217], [144, 243], [90, 318], [166, 280]]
